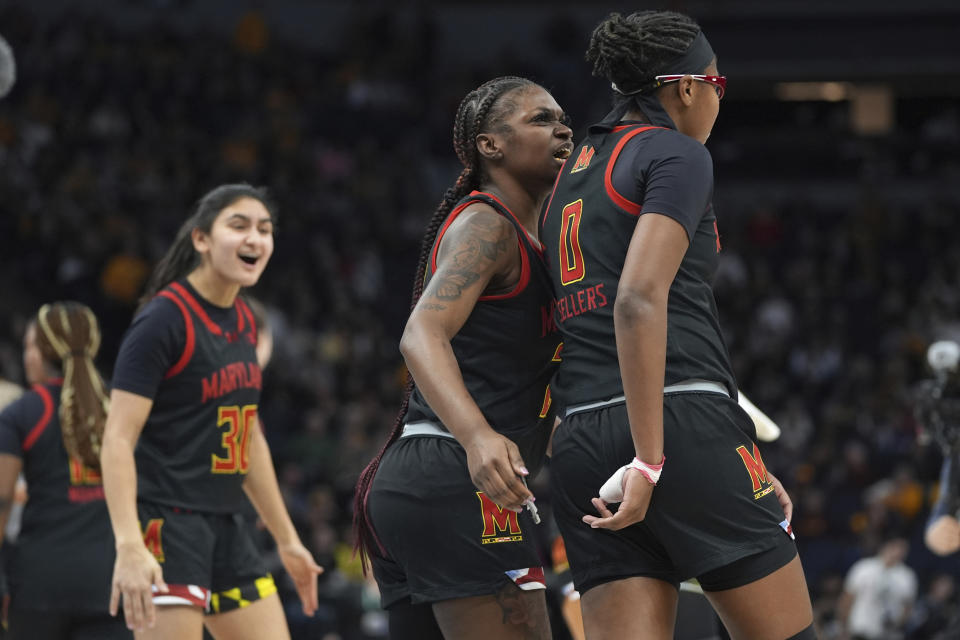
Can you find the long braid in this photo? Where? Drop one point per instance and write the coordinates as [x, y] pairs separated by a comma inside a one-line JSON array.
[[67, 333], [481, 110], [629, 51]]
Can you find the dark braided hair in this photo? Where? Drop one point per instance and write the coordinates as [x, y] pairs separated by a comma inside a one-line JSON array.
[[483, 110], [630, 51]]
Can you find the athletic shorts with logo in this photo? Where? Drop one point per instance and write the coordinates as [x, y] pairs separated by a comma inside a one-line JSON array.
[[443, 538], [713, 507], [209, 560]]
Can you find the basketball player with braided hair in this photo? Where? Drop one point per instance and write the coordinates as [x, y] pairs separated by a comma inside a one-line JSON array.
[[60, 565], [183, 442], [646, 381], [440, 511]]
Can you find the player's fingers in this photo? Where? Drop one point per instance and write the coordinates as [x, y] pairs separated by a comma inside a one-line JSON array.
[[149, 610], [498, 488], [114, 599], [602, 508], [309, 598], [133, 609], [516, 460]]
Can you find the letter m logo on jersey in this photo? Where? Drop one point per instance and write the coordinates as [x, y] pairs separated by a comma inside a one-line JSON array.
[[583, 160], [499, 524], [759, 476], [152, 538]]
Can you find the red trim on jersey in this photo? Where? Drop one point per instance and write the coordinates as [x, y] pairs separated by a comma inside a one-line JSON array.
[[619, 200], [236, 308], [249, 314], [191, 339], [212, 327], [44, 420], [446, 225], [524, 260], [512, 215], [521, 284]]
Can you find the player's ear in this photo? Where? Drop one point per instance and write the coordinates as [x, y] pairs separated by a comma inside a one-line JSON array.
[[488, 147]]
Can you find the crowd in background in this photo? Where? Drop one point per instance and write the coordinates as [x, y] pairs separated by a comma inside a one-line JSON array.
[[830, 289]]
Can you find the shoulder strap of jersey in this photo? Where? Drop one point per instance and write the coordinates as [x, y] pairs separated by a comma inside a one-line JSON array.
[[526, 245], [243, 311], [190, 342], [628, 133]]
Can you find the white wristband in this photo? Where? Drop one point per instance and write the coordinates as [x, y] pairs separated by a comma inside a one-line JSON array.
[[612, 490], [650, 471]]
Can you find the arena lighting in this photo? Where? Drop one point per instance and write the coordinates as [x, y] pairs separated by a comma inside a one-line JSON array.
[[813, 91]]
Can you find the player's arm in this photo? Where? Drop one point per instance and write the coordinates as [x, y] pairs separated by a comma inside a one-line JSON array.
[[135, 570], [640, 324], [942, 534], [677, 177], [10, 467], [261, 487], [478, 251]]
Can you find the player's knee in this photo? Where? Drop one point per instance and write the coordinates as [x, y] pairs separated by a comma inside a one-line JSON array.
[[806, 634]]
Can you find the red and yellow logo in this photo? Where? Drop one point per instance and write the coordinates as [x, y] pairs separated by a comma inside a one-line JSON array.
[[153, 539], [759, 476], [583, 160], [499, 524]]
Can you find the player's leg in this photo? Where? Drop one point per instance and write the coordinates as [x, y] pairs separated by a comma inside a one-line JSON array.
[[175, 622], [627, 582], [510, 613], [244, 604], [746, 610], [409, 621], [183, 544], [629, 608], [448, 544], [261, 619]]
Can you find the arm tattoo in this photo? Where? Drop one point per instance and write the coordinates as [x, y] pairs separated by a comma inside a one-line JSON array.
[[429, 306], [482, 242]]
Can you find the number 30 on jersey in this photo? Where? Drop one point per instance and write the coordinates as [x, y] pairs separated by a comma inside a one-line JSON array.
[[235, 439]]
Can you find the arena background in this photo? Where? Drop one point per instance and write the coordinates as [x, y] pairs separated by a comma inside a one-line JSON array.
[[838, 189]]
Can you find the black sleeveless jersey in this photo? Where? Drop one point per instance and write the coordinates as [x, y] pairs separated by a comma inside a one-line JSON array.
[[198, 363], [63, 557], [507, 349], [587, 229]]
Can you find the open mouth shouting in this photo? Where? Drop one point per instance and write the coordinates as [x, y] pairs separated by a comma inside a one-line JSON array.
[[564, 151]]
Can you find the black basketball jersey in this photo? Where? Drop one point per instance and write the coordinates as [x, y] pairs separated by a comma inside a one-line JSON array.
[[619, 173], [507, 349], [63, 557], [198, 363]]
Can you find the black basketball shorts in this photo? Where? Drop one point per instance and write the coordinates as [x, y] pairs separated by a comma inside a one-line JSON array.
[[713, 505], [201, 554], [443, 538]]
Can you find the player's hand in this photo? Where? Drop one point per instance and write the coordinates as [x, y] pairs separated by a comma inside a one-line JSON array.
[[135, 572], [496, 468], [943, 535], [303, 570], [637, 492], [785, 502]]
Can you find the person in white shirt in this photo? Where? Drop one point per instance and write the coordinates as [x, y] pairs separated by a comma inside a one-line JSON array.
[[878, 594]]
